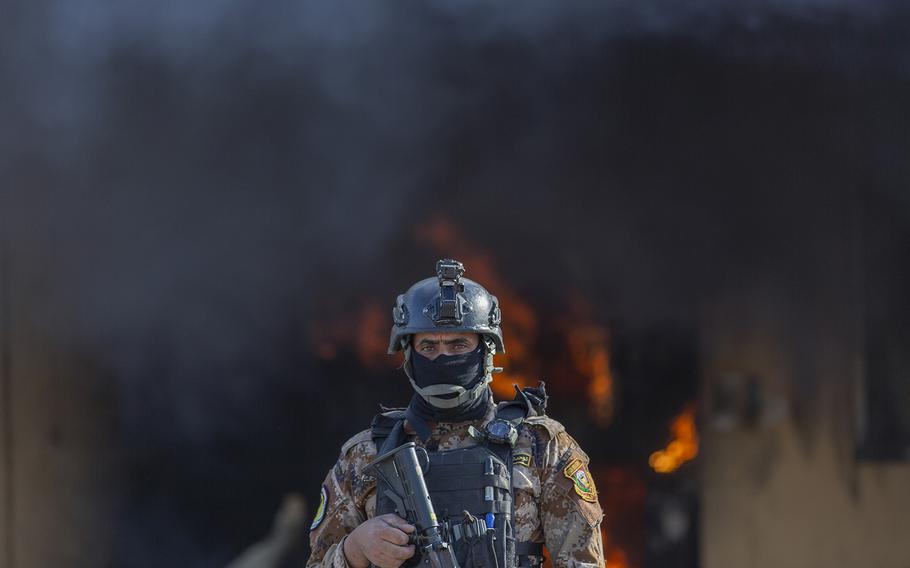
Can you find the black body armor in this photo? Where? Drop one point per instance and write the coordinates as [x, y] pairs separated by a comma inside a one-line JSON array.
[[471, 490]]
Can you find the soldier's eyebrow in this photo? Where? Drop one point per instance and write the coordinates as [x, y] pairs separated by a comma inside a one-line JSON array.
[[428, 341]]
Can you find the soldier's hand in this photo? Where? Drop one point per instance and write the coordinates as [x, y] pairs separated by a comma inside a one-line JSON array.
[[382, 540]]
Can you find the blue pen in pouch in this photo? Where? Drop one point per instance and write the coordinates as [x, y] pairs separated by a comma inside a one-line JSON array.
[[488, 493]]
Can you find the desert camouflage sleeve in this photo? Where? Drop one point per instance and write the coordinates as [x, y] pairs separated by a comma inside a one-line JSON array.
[[341, 505], [570, 513]]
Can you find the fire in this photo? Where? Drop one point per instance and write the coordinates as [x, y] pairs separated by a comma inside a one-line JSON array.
[[622, 493], [373, 337], [366, 333], [591, 356], [519, 325], [616, 558], [588, 344], [364, 330], [682, 448], [614, 555]]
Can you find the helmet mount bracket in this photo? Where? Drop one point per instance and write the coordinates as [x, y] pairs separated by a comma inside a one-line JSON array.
[[450, 305]]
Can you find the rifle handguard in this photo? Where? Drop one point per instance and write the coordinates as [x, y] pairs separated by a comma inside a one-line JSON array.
[[402, 474]]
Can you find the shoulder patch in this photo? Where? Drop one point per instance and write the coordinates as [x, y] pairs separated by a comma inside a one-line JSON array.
[[553, 427], [521, 458], [358, 438], [320, 510], [577, 471]]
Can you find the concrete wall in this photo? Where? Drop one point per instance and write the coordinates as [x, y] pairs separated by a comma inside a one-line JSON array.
[[5, 527], [786, 491], [62, 439]]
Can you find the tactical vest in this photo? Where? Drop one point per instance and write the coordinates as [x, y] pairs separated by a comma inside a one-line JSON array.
[[465, 485]]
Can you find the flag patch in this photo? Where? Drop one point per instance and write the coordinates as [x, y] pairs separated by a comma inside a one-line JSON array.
[[320, 511], [578, 472]]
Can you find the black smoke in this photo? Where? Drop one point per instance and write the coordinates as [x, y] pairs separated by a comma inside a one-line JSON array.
[[198, 185]]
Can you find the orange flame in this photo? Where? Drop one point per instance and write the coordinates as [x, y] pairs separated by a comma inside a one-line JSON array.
[[519, 323], [366, 333], [614, 555], [616, 558], [372, 336], [365, 329], [588, 346], [682, 448]]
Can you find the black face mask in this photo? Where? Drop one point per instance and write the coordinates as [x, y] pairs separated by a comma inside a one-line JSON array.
[[464, 370]]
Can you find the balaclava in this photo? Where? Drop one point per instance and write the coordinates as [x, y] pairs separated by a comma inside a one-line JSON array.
[[449, 388]]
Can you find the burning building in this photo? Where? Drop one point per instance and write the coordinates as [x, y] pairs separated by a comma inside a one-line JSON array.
[[695, 220]]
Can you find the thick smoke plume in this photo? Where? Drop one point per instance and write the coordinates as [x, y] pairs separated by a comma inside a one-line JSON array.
[[189, 187]]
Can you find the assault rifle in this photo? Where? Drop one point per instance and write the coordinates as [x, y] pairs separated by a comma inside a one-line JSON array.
[[403, 477]]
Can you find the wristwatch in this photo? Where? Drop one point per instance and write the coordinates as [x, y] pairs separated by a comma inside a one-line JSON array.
[[501, 431]]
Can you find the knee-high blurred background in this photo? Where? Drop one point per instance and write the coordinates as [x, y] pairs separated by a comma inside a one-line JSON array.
[[696, 217]]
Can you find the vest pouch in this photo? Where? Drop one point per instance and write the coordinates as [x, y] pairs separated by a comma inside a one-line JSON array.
[[509, 544], [477, 551], [505, 546]]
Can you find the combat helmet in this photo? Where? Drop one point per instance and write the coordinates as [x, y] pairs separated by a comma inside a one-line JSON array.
[[447, 303]]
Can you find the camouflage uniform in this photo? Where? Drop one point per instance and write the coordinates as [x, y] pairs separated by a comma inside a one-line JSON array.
[[555, 499]]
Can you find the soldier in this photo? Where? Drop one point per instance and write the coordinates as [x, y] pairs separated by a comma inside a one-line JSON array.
[[505, 479]]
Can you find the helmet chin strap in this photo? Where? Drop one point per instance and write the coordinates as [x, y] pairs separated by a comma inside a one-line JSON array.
[[432, 392]]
